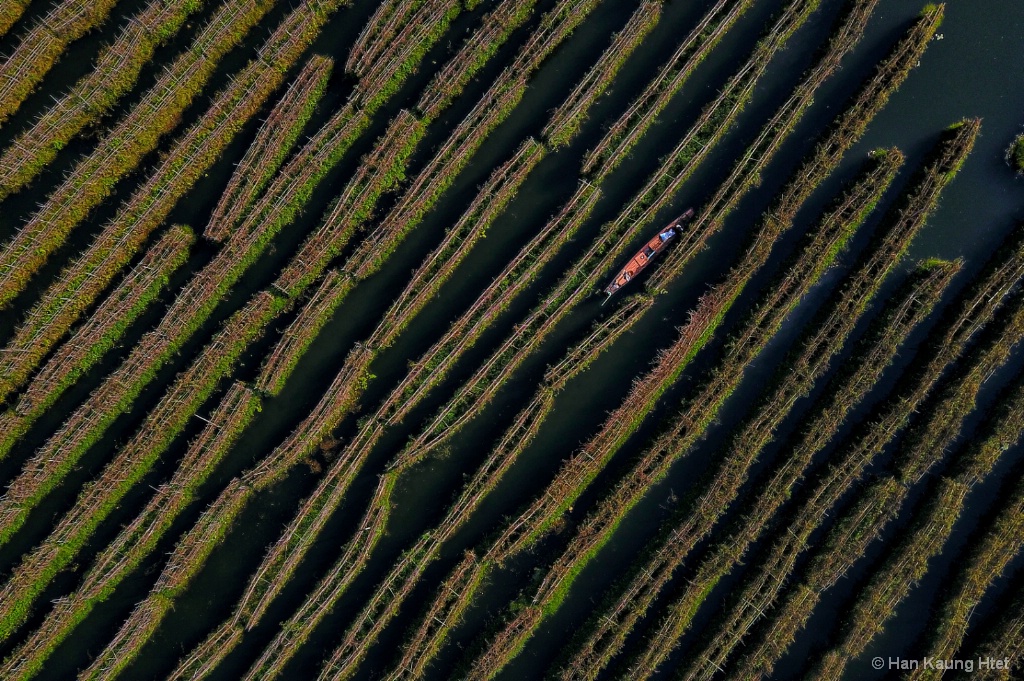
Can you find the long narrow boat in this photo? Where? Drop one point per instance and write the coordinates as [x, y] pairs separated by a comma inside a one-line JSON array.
[[647, 253]]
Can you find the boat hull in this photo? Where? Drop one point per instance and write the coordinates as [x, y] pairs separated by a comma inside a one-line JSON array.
[[642, 258]]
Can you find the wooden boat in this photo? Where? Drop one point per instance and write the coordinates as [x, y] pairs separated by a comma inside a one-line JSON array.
[[647, 253]]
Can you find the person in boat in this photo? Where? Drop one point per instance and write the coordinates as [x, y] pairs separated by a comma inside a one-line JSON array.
[[648, 251]]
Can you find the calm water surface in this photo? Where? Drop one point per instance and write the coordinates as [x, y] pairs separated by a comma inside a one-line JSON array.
[[974, 70]]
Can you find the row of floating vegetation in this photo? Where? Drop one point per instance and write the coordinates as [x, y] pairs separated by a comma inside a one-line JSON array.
[[10, 12], [136, 541], [605, 633], [436, 268], [116, 71], [81, 282], [932, 522], [989, 559], [768, 520], [476, 51], [596, 529], [137, 133], [95, 337], [974, 309], [518, 438], [1015, 154], [274, 141], [642, 112], [41, 46], [209, 376], [860, 288]]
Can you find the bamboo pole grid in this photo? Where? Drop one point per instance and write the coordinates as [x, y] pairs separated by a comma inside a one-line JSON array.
[[610, 625], [104, 325], [122, 148], [116, 71], [594, 533], [41, 46], [378, 32], [379, 172], [495, 28], [392, 62], [277, 135], [637, 119]]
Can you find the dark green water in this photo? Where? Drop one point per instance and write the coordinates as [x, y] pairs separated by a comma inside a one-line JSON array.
[[973, 71]]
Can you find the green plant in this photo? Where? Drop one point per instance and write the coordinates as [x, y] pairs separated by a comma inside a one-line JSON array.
[[116, 71], [274, 141], [41, 47], [568, 118], [131, 545], [635, 122], [98, 334], [1015, 154], [93, 177]]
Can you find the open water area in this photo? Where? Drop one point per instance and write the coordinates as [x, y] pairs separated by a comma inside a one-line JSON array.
[[972, 69]]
